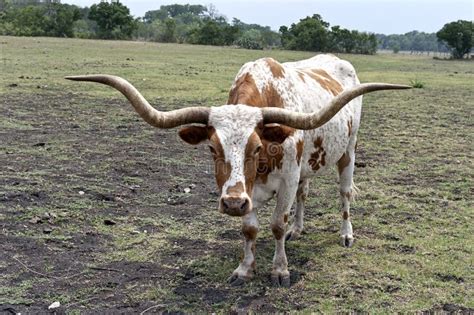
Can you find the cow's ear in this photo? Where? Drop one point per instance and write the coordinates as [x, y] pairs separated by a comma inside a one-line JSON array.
[[193, 134], [276, 133]]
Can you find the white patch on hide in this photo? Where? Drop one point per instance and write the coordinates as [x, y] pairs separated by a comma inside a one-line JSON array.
[[234, 124]]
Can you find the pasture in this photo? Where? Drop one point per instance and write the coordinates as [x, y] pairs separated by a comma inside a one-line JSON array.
[[99, 211]]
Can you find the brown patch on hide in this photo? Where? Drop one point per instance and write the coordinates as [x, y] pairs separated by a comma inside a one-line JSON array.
[[251, 161], [275, 133], [249, 232], [285, 218], [346, 195], [318, 157], [345, 215], [222, 168], [236, 190], [271, 158], [343, 162], [276, 68], [271, 97], [245, 91], [193, 134], [278, 230], [299, 151], [326, 81]]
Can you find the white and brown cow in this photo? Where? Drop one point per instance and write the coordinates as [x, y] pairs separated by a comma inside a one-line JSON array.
[[283, 124]]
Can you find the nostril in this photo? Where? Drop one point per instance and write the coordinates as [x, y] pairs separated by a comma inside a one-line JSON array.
[[225, 205], [244, 205]]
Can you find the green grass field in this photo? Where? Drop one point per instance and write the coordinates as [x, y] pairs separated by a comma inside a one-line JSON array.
[[93, 212]]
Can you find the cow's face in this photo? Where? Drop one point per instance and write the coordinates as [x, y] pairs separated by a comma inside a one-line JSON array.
[[235, 134]]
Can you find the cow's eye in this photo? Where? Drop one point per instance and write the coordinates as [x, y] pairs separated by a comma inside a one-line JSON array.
[[257, 150], [213, 151]]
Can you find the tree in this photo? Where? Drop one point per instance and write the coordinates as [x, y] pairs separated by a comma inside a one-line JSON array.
[[169, 34], [60, 18], [458, 35], [210, 33], [309, 33], [113, 20], [173, 11], [39, 19], [251, 39]]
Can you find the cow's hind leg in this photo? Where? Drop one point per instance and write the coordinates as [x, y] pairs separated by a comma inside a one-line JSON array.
[[246, 268], [347, 192], [297, 227]]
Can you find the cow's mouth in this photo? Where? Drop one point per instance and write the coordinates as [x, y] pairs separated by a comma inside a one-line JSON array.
[[235, 206]]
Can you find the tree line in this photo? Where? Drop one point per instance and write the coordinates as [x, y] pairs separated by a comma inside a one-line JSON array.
[[199, 24]]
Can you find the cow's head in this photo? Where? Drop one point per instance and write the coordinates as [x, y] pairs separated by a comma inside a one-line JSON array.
[[234, 133]]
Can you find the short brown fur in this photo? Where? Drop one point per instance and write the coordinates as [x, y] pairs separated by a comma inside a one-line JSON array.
[[276, 68], [278, 230], [246, 92], [326, 81], [299, 150], [343, 163], [271, 157], [318, 157], [345, 215], [236, 190], [249, 232], [251, 162], [222, 167]]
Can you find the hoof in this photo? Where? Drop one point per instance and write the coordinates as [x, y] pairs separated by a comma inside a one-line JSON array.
[[281, 281], [236, 281], [347, 241]]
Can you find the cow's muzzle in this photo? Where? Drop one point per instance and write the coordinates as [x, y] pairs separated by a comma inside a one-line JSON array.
[[235, 206]]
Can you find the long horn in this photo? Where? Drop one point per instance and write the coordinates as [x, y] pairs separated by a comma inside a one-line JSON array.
[[314, 120], [144, 109]]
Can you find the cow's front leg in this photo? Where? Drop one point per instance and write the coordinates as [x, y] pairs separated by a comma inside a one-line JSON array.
[[280, 275], [246, 268]]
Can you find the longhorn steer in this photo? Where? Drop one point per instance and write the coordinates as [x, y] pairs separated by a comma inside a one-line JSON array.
[[283, 124]]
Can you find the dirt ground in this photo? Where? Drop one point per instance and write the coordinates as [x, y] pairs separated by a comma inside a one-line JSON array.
[[95, 213], [59, 162]]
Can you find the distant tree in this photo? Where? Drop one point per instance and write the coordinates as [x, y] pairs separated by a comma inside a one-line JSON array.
[[208, 34], [266, 37], [39, 19], [60, 18], [169, 34], [313, 34], [5, 5], [365, 43], [309, 33], [396, 48], [230, 34], [412, 41], [251, 39], [459, 36], [113, 20], [173, 11], [153, 15]]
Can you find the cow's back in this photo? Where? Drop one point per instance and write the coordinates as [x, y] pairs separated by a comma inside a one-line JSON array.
[[304, 86]]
